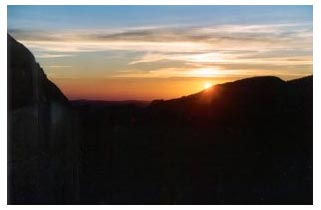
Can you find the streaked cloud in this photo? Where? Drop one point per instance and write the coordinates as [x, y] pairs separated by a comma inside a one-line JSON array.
[[57, 67], [47, 55], [187, 51], [148, 52], [172, 39]]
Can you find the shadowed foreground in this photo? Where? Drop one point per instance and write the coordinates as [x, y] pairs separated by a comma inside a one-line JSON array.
[[244, 142]]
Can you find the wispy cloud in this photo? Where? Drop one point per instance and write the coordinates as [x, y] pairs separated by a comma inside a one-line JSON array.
[[223, 48], [171, 39], [47, 55], [57, 67]]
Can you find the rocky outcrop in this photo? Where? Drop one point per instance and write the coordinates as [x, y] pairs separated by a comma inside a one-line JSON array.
[[42, 141]]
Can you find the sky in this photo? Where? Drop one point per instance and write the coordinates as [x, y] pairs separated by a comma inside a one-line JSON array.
[[162, 52]]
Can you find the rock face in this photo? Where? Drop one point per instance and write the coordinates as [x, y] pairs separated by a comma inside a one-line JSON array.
[[42, 147]]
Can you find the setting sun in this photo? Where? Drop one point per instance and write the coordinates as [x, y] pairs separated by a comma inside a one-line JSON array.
[[207, 85]]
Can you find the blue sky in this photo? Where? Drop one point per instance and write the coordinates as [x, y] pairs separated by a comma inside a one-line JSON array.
[[76, 17], [135, 50]]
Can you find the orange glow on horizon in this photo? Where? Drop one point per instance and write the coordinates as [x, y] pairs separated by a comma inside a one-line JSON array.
[[132, 88], [146, 89]]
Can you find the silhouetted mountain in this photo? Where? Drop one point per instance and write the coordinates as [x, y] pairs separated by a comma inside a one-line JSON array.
[[256, 133], [42, 146], [243, 142], [241, 94]]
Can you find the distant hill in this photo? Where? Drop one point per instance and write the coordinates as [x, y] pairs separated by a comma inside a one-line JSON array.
[[257, 95], [245, 87]]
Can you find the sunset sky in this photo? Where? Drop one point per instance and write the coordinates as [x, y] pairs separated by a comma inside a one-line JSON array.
[[153, 52]]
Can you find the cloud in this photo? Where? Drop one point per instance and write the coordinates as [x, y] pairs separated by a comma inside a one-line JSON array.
[[165, 51], [171, 39], [221, 58], [46, 55], [57, 67], [216, 72]]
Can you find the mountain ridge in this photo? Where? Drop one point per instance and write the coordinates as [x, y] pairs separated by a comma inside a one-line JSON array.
[[251, 82]]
